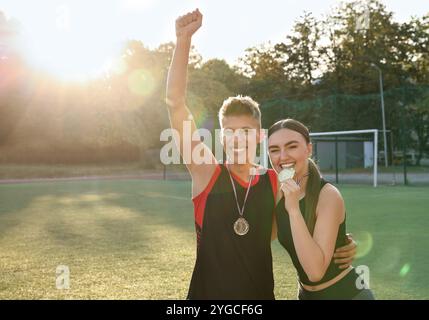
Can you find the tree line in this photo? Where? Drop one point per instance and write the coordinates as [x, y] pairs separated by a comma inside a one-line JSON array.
[[324, 73]]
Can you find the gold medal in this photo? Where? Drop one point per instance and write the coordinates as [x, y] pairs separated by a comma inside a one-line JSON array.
[[241, 226]]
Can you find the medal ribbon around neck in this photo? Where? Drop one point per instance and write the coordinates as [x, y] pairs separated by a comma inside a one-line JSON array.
[[241, 226]]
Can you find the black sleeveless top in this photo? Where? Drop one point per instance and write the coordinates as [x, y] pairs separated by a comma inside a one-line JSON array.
[[284, 234], [230, 266]]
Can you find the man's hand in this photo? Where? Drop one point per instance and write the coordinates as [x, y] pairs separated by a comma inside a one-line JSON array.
[[188, 24], [344, 256]]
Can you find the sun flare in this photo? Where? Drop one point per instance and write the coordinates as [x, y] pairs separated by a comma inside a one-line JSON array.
[[70, 47]]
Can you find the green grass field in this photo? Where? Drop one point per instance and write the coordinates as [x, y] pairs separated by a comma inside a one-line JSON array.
[[134, 239]]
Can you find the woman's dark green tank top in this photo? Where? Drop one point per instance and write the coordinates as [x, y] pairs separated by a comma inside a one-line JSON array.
[[284, 234]]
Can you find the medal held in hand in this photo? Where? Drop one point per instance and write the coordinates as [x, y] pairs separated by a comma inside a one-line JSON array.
[[286, 173]]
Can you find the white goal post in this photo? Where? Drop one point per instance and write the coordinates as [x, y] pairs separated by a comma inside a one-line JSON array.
[[354, 132]]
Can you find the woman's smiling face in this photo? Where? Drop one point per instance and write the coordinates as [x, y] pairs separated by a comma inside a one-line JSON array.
[[288, 147]]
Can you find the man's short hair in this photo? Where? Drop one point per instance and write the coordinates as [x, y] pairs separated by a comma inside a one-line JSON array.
[[239, 106]]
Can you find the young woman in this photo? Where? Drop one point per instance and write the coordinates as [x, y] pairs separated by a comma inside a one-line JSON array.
[[310, 218]]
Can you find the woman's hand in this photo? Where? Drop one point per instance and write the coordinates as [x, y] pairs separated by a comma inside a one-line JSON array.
[[292, 193]]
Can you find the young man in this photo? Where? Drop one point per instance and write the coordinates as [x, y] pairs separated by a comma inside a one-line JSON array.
[[233, 206]]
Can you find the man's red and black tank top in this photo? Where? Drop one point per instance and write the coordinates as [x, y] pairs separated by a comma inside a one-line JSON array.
[[230, 266]]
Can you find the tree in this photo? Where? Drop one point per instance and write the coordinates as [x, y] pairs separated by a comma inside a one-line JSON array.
[[301, 51], [419, 114], [264, 69], [13, 72]]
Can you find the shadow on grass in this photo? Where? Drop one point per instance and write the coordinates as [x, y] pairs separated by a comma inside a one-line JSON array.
[[91, 213]]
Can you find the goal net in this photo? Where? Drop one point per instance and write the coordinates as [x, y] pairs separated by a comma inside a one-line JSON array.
[[347, 156]]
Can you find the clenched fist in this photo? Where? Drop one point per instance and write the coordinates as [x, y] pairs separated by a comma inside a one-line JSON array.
[[188, 24]]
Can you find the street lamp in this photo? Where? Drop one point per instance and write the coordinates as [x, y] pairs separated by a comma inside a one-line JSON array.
[[382, 111]]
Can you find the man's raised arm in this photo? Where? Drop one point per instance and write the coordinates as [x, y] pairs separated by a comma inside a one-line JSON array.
[[186, 26]]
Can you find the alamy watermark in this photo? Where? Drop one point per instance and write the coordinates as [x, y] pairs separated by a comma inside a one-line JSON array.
[[240, 146], [362, 282], [363, 20], [62, 281], [62, 20]]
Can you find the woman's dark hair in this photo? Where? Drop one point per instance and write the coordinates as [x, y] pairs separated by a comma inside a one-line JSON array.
[[312, 190]]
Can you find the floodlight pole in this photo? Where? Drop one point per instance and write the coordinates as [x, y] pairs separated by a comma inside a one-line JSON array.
[[380, 73], [375, 158]]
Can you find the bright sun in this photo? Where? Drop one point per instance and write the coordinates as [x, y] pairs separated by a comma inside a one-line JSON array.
[[69, 57], [69, 51]]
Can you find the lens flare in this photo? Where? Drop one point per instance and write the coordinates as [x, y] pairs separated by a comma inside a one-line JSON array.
[[405, 269], [199, 111], [388, 260], [364, 243], [141, 82]]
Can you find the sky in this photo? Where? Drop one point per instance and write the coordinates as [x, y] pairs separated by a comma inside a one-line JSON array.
[[79, 36]]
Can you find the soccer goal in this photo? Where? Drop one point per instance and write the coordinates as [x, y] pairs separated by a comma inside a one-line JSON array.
[[354, 153]]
